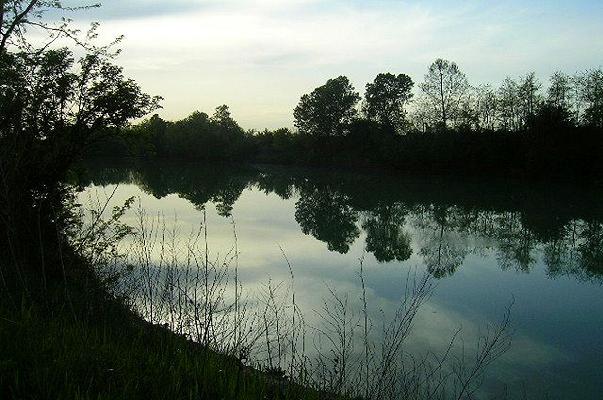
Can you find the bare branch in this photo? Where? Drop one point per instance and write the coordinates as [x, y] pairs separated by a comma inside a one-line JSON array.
[[18, 20]]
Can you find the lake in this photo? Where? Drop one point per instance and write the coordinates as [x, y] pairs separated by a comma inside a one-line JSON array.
[[485, 244]]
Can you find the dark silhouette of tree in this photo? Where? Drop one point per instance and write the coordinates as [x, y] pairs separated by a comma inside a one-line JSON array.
[[327, 215], [559, 93], [509, 115], [468, 118], [444, 87], [17, 16], [52, 106], [593, 97], [550, 117], [328, 110], [385, 99], [45, 98], [577, 82], [505, 131], [529, 98], [195, 137], [224, 120], [486, 107]]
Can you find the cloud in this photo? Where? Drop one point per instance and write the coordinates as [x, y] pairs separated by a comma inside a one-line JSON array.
[[259, 56], [135, 9]]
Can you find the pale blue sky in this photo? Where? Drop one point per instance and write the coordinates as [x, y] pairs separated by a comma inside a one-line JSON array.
[[260, 56]]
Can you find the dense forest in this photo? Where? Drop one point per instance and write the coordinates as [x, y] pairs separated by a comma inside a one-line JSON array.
[[447, 126]]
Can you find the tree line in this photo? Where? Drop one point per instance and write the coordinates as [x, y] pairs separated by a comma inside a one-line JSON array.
[[447, 101], [445, 125]]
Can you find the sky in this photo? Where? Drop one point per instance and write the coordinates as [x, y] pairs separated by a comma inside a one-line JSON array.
[[260, 56]]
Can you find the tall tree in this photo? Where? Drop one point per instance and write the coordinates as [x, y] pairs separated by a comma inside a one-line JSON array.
[[224, 120], [486, 107], [50, 108], [559, 92], [385, 99], [467, 118], [445, 87], [593, 97], [328, 110], [577, 82], [508, 105], [529, 98]]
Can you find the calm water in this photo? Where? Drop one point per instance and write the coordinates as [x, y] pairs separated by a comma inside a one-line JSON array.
[[484, 242]]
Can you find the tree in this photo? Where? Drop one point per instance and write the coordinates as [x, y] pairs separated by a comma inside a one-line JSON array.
[[17, 16], [328, 110], [44, 97], [385, 99], [508, 105], [529, 98], [486, 107], [51, 107], [593, 97], [559, 92], [577, 88], [445, 87], [468, 118], [223, 119]]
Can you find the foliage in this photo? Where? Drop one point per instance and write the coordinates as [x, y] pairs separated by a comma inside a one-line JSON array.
[[385, 99], [69, 333], [593, 97], [445, 87], [328, 109], [197, 136], [49, 111], [451, 127]]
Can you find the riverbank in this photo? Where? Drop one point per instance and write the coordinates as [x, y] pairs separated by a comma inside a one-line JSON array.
[[83, 344]]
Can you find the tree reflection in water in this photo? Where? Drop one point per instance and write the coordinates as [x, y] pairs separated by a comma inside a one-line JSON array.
[[327, 215], [444, 221], [386, 236]]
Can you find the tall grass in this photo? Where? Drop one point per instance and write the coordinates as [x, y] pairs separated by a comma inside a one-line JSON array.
[[180, 284]]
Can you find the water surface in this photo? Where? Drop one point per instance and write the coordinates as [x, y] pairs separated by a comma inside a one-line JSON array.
[[485, 242]]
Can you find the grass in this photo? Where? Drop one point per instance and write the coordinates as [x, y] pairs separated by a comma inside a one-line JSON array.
[[117, 355], [172, 329], [75, 337]]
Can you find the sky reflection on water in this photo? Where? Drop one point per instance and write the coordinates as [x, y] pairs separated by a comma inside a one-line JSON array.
[[485, 243]]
